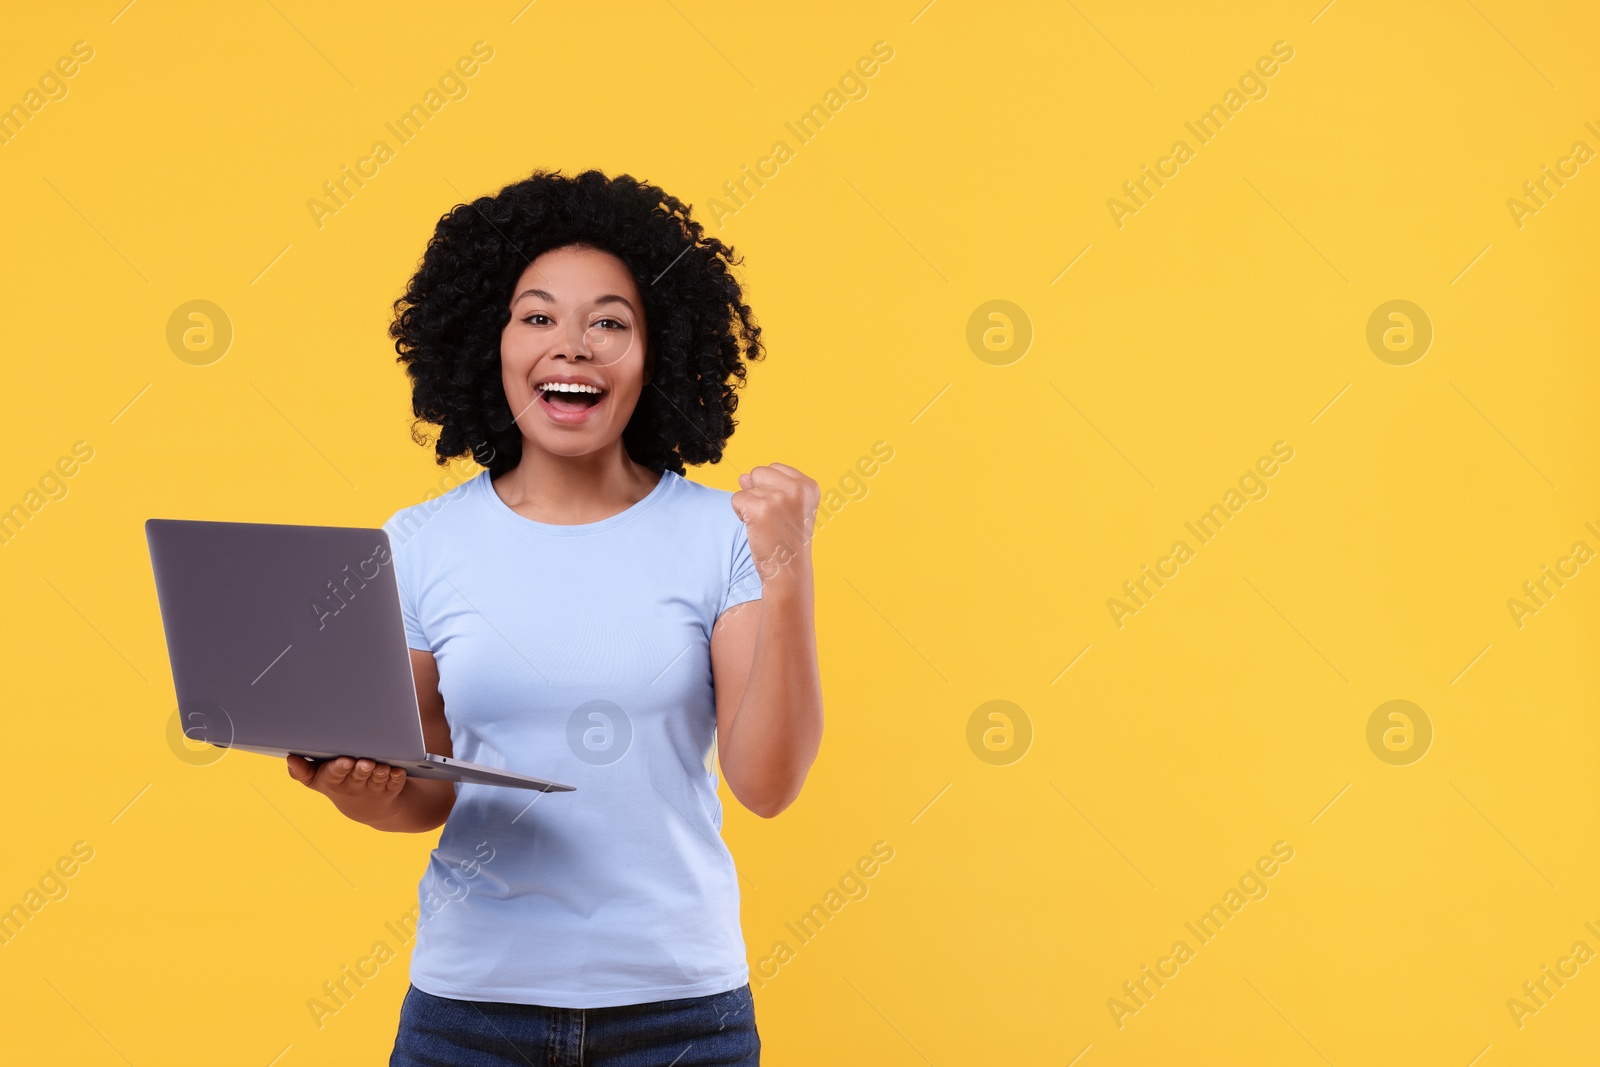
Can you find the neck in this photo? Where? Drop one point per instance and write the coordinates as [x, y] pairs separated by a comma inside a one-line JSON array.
[[571, 490]]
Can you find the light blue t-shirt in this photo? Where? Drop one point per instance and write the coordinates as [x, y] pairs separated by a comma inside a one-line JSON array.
[[580, 654]]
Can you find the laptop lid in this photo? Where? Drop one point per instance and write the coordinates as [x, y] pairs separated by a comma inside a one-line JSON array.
[[286, 637]]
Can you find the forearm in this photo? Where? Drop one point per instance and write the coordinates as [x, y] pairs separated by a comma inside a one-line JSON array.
[[777, 730]]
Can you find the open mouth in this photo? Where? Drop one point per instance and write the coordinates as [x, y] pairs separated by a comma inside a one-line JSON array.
[[570, 400]]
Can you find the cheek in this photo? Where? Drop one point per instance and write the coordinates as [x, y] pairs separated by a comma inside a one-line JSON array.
[[628, 380], [624, 401], [516, 361]]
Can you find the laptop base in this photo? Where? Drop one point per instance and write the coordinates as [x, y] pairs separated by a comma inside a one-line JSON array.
[[439, 767]]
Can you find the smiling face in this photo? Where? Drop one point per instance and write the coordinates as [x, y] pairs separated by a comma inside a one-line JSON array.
[[572, 358]]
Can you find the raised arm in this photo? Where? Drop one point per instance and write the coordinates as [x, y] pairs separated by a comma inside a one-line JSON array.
[[764, 652]]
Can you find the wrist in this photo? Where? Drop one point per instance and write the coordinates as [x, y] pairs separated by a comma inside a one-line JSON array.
[[792, 579], [781, 558]]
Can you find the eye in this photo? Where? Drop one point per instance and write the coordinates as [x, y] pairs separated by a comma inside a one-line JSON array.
[[536, 315], [617, 324]]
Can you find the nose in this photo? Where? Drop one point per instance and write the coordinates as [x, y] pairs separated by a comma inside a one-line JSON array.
[[577, 345]]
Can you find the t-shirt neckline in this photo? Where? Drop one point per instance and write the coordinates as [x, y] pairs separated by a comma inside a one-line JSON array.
[[492, 500]]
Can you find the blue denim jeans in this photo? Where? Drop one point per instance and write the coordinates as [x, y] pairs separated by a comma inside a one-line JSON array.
[[711, 1031]]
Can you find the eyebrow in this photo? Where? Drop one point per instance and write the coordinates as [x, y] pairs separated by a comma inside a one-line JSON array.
[[609, 298]]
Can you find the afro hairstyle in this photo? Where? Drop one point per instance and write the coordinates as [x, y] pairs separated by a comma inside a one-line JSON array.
[[699, 331]]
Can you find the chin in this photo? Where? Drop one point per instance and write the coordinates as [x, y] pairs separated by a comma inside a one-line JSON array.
[[571, 448]]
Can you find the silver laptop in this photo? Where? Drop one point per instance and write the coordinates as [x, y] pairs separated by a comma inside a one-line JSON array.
[[288, 639]]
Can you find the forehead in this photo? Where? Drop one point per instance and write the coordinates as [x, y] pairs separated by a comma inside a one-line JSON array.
[[576, 273]]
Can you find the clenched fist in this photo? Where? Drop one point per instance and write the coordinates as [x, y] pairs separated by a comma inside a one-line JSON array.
[[778, 506]]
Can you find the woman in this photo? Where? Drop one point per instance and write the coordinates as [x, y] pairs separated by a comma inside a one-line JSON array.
[[582, 612]]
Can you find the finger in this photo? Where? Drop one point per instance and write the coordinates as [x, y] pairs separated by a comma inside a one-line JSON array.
[[300, 769], [744, 480], [363, 771], [337, 770], [397, 779], [767, 475], [380, 778], [808, 485], [747, 503]]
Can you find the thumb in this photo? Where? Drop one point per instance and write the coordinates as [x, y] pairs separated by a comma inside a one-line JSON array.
[[300, 770]]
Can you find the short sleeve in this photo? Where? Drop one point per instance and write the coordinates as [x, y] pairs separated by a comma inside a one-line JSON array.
[[404, 578], [744, 581]]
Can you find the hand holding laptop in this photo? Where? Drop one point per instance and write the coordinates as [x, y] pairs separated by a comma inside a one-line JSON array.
[[362, 789]]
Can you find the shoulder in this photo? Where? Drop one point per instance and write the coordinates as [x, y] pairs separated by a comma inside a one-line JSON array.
[[414, 526], [704, 503], [716, 527]]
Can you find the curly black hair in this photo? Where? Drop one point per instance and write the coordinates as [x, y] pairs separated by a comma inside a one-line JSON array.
[[700, 332]]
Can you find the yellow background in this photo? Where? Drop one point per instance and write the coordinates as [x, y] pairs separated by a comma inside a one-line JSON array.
[[1227, 314]]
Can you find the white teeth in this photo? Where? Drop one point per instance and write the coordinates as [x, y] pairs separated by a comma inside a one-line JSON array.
[[568, 387]]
